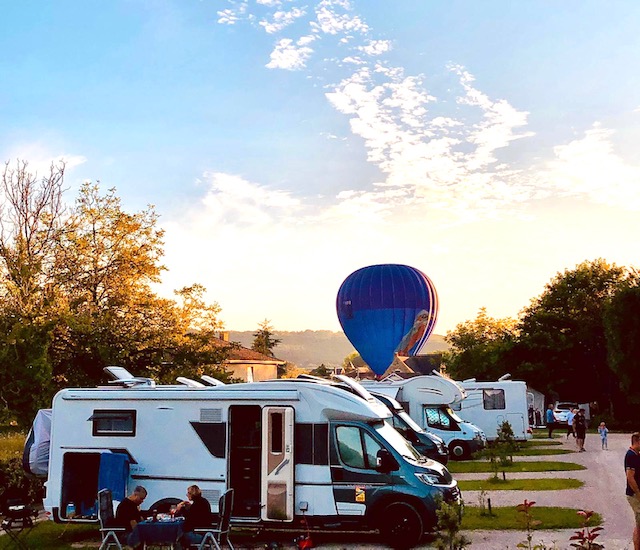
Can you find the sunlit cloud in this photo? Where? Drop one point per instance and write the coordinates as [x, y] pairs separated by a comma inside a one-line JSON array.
[[289, 55], [280, 20]]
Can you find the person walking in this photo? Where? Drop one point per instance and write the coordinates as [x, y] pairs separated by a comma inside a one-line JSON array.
[[603, 431], [580, 429], [550, 419], [632, 472], [570, 416]]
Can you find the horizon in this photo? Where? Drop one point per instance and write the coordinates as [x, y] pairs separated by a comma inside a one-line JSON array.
[[287, 144]]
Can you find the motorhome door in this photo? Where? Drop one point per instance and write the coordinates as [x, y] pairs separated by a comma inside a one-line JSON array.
[[277, 463]]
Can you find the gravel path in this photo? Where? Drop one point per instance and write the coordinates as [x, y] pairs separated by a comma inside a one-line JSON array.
[[603, 492]]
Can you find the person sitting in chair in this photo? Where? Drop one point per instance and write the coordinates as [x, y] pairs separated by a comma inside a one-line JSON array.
[[197, 514], [128, 511]]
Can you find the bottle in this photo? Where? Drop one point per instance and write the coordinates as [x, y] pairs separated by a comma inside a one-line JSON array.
[[71, 510], [155, 515]]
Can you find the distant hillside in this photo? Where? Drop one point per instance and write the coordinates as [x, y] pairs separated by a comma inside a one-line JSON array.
[[310, 348]]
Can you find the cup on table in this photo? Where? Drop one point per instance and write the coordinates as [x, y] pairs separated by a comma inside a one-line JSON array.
[[172, 511]]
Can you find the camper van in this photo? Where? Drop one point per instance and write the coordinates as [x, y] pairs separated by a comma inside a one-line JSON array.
[[489, 404], [427, 444], [428, 400], [296, 454]]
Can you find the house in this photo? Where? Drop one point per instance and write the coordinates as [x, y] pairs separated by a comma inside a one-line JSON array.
[[246, 364]]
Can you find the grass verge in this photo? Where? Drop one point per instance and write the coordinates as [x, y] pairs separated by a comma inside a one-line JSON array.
[[47, 535], [493, 484], [540, 443], [508, 517], [540, 452], [476, 466]]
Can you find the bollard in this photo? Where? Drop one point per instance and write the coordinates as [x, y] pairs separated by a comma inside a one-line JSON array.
[[489, 506]]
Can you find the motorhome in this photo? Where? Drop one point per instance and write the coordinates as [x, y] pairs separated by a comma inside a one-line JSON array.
[[297, 454], [427, 444], [489, 404], [428, 400]]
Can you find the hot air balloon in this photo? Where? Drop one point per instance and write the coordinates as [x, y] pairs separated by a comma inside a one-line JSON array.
[[386, 310]]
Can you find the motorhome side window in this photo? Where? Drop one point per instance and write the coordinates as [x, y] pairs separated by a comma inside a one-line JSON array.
[[357, 448], [114, 422], [493, 399]]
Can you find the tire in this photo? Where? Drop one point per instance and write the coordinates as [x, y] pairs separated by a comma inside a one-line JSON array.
[[401, 525], [458, 450]]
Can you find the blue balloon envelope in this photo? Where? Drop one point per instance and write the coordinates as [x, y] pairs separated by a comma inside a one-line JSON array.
[[386, 310]]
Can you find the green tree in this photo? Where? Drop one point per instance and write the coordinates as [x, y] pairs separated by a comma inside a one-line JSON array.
[[264, 340], [31, 218], [622, 330], [478, 347], [561, 344]]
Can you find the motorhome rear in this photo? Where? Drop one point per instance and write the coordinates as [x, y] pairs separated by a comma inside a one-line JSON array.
[[489, 404], [295, 453]]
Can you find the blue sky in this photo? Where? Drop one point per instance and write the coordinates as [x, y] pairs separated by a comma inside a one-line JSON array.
[[286, 144]]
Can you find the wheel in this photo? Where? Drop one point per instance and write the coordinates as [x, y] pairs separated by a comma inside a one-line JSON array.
[[458, 450], [401, 525]]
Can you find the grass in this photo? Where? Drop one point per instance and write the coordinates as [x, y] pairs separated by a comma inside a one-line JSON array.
[[545, 435], [508, 517], [540, 443], [498, 484], [47, 535], [476, 466], [540, 452], [11, 445]]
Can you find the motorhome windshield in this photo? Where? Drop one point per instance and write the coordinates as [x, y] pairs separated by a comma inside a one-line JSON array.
[[399, 443]]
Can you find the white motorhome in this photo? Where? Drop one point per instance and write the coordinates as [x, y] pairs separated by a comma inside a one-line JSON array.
[[296, 454], [428, 400], [489, 404]]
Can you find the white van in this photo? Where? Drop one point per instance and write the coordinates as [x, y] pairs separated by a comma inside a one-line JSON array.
[[428, 400], [296, 454]]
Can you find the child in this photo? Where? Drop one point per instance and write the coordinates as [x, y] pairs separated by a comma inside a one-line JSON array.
[[603, 430]]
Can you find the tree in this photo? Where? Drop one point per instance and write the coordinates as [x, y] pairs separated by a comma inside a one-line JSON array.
[[561, 344], [31, 217], [622, 330], [478, 347], [263, 340]]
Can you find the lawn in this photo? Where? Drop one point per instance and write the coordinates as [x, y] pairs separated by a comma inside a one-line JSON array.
[[540, 452], [481, 466], [498, 484], [540, 443], [11, 445], [508, 517], [47, 535]]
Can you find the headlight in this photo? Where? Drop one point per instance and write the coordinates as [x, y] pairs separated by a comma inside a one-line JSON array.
[[429, 479]]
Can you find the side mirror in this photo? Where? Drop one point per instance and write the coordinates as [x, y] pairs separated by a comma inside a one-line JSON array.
[[385, 463]]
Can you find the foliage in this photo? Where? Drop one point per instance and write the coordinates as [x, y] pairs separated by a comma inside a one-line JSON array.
[[622, 330], [13, 477], [264, 340], [478, 346], [76, 296], [500, 452], [530, 523], [449, 524], [585, 537]]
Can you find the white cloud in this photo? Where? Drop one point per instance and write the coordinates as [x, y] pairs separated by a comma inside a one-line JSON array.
[[375, 47], [281, 19], [590, 168], [40, 156], [289, 56]]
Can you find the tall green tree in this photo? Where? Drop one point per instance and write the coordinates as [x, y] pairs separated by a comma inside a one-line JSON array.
[[622, 331], [562, 338], [264, 340], [478, 347]]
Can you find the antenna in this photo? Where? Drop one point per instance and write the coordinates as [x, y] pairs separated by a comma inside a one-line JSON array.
[[506, 376], [189, 382], [211, 380]]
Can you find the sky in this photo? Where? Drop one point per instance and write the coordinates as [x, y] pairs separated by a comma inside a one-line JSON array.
[[286, 144]]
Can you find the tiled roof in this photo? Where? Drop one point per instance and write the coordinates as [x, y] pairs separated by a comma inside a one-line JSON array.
[[240, 353]]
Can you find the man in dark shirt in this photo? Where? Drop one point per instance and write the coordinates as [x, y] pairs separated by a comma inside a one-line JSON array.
[[197, 514], [632, 471], [128, 511]]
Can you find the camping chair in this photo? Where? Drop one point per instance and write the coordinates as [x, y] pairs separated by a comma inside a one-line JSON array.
[[216, 537], [108, 530], [18, 517]]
